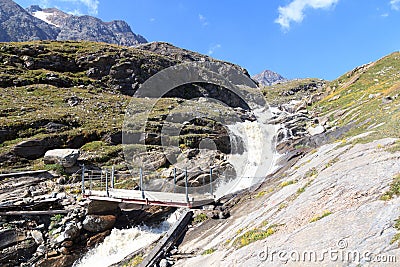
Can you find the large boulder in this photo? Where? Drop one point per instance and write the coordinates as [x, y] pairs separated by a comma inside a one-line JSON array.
[[98, 223], [66, 157], [31, 149], [34, 149], [96, 207]]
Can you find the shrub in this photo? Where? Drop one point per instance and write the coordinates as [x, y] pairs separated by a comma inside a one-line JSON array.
[[208, 251], [200, 218], [319, 217], [394, 189], [286, 183]]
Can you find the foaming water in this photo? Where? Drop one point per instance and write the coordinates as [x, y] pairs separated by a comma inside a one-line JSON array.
[[122, 242], [259, 154]]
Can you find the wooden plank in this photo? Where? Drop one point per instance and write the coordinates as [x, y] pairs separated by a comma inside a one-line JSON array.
[[33, 212], [150, 198], [170, 238], [25, 173]]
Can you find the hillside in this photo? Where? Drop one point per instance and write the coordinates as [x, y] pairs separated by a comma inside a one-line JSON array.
[[74, 95]]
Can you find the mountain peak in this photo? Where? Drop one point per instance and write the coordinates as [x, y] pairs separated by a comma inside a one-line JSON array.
[[268, 77]]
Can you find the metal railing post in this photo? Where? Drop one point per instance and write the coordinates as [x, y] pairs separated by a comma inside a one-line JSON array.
[[107, 183], [112, 177], [91, 182], [101, 179], [186, 186], [211, 181], [83, 179], [174, 180], [141, 182]]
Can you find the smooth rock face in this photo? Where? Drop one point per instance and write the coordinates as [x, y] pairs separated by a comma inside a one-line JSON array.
[[348, 189], [66, 157], [98, 223]]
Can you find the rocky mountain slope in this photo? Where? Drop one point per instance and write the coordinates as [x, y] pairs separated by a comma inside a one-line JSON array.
[[51, 84], [268, 77], [336, 186], [18, 24]]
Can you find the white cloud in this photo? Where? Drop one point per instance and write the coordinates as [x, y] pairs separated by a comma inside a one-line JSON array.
[[75, 6], [212, 49], [92, 5], [203, 20], [294, 11], [395, 4]]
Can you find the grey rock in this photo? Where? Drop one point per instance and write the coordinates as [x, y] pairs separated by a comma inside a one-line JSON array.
[[223, 214], [61, 181], [316, 130], [37, 236], [387, 100], [70, 233], [164, 263], [31, 149], [98, 223], [41, 250], [66, 157], [102, 207]]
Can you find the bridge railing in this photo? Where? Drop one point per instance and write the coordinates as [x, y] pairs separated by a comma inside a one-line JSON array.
[[108, 179]]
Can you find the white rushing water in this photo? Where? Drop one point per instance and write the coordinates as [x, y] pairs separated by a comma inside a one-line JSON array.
[[120, 243], [259, 154]]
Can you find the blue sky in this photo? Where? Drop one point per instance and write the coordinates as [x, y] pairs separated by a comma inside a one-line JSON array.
[[296, 38]]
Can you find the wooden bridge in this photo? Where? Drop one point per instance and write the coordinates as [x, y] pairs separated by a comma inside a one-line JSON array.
[[150, 198], [107, 192]]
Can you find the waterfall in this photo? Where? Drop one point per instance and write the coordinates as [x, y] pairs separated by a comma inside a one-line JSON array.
[[258, 157], [121, 242]]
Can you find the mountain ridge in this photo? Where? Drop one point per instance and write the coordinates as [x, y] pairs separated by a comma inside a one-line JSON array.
[[34, 23]]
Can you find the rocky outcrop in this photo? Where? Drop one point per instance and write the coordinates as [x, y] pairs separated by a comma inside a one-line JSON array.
[[184, 55], [31, 149]]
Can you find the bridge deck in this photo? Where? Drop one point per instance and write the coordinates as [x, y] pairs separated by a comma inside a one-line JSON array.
[[150, 198]]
